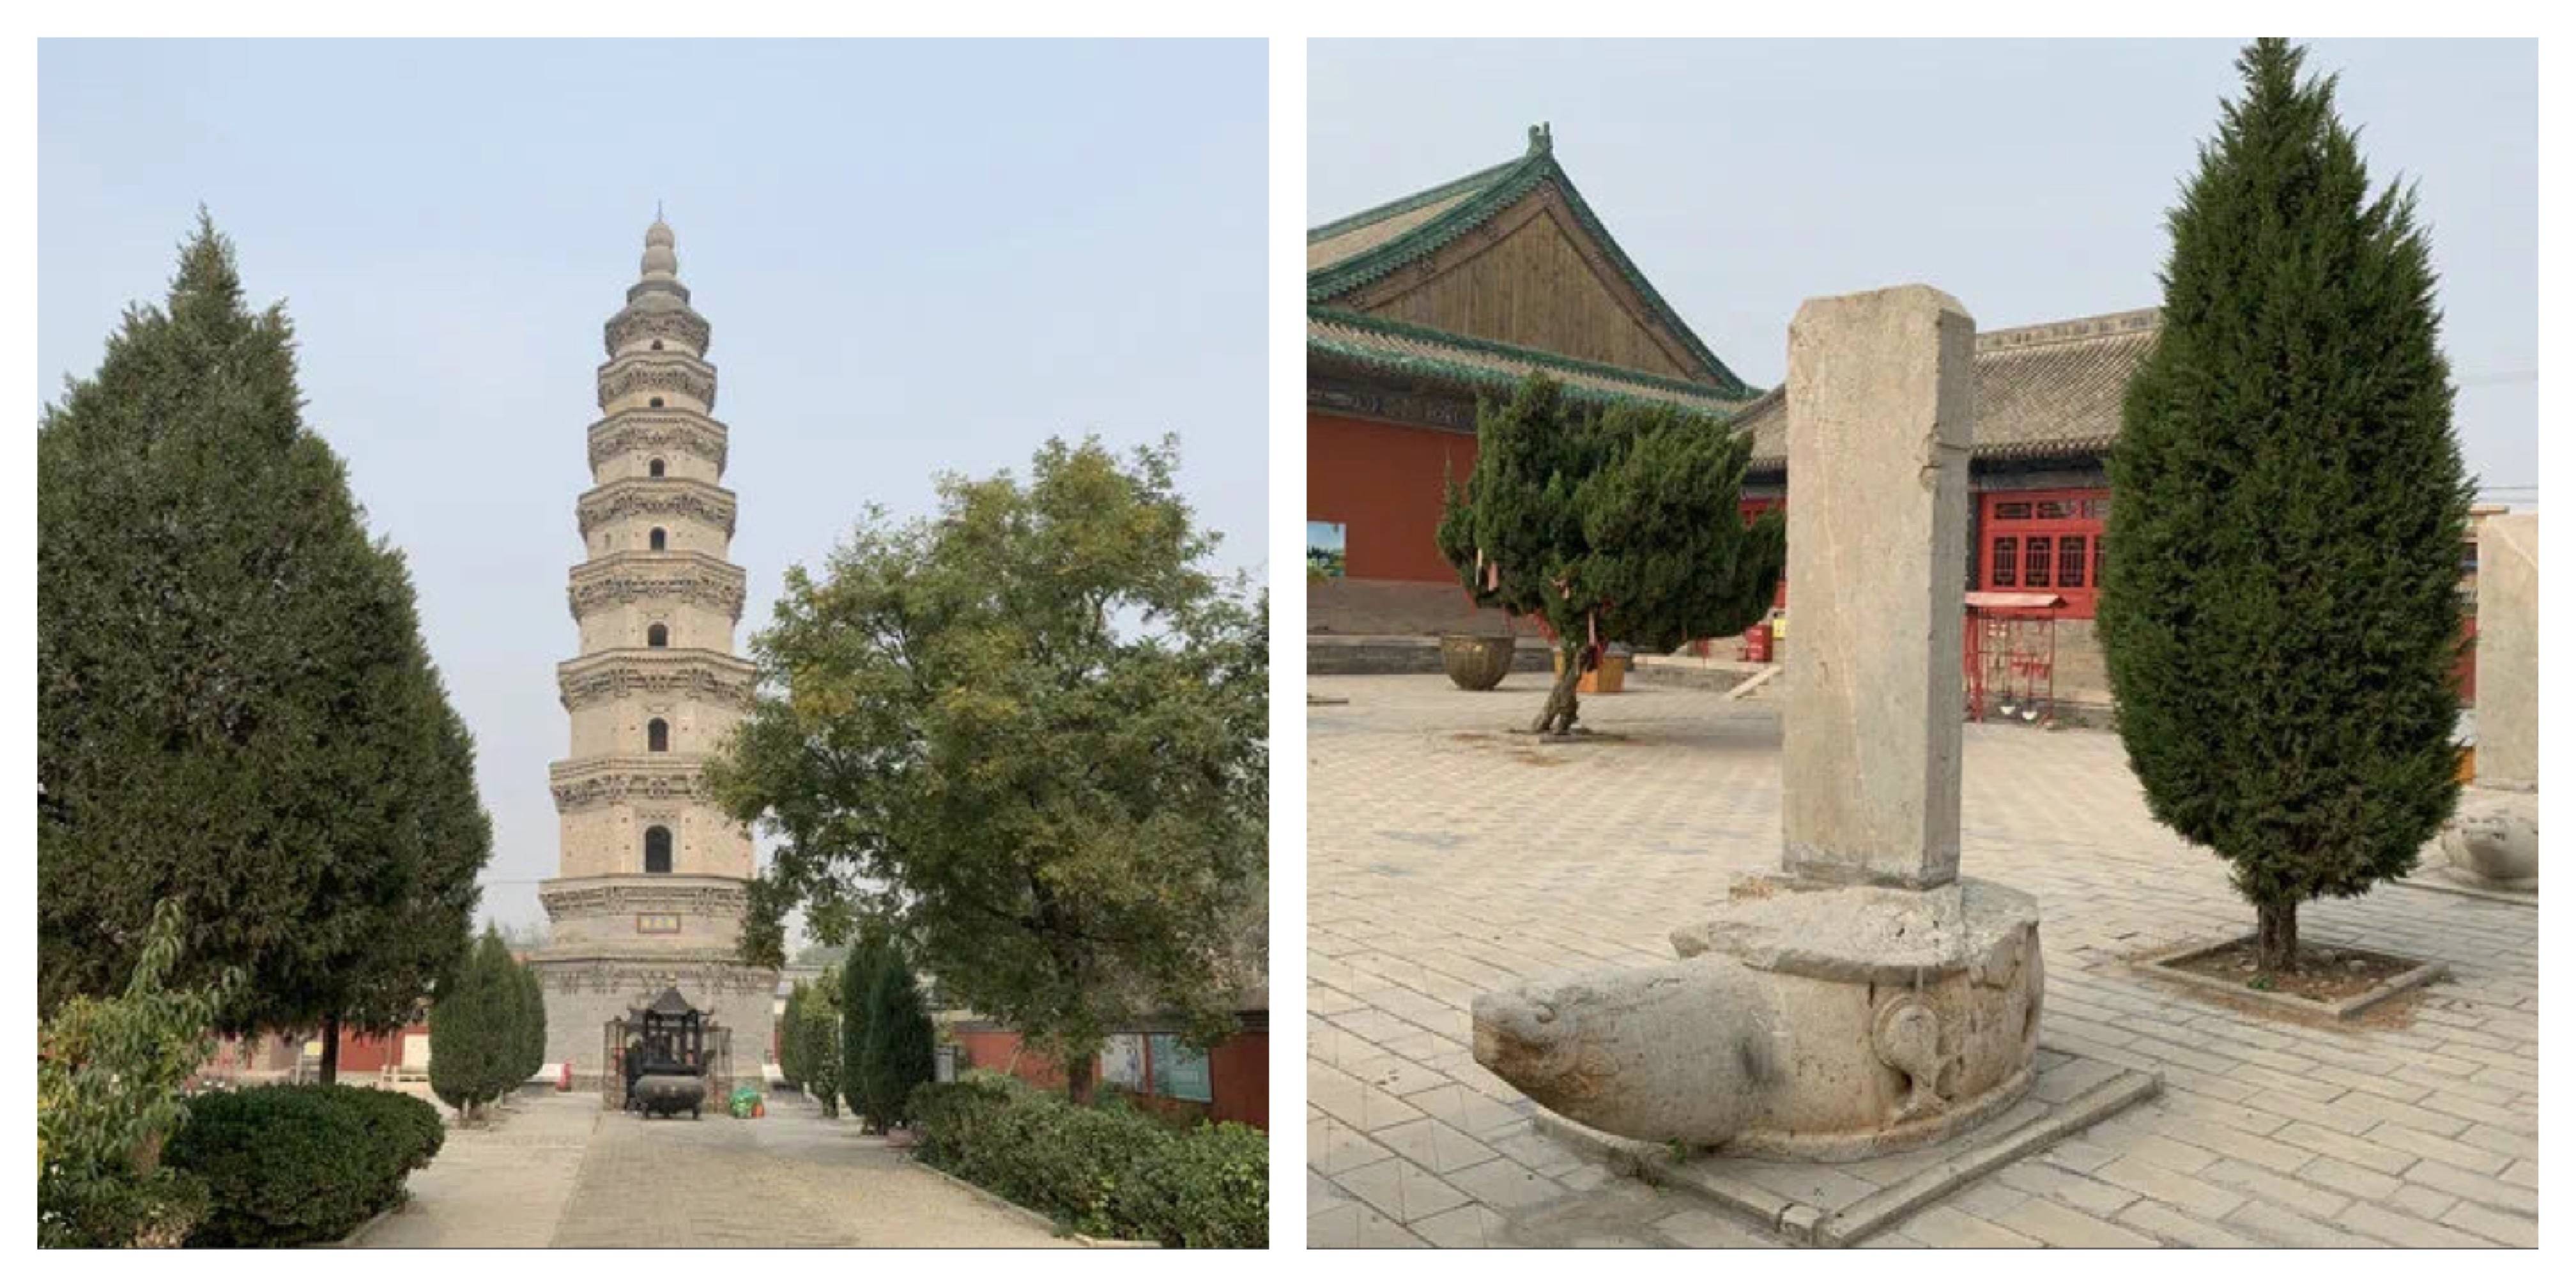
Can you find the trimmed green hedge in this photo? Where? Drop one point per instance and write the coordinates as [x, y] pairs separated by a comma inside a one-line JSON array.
[[290, 1166], [1109, 1173]]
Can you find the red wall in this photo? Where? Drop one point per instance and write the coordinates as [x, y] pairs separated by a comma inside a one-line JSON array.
[[371, 1052], [1382, 483], [1238, 1074]]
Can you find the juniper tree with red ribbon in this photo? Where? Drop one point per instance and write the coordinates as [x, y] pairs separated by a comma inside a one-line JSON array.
[[1609, 524]]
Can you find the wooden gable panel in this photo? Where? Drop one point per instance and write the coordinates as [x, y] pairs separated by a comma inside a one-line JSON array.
[[1532, 276]]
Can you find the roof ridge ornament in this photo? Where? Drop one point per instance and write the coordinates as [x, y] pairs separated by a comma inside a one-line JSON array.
[[1541, 141]]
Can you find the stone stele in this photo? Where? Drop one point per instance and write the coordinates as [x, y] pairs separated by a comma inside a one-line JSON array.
[[2494, 836], [1866, 1000]]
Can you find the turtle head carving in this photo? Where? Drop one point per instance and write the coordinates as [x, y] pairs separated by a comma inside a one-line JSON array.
[[1531, 1034]]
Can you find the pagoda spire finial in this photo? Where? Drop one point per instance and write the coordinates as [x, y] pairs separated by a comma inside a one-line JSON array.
[[660, 261]]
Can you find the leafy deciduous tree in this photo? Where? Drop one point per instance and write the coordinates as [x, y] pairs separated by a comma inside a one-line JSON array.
[[1033, 731]]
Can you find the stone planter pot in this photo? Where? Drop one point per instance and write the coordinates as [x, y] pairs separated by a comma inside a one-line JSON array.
[[1477, 662]]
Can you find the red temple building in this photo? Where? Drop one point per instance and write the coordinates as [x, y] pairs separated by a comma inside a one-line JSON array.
[[1417, 308], [1414, 310]]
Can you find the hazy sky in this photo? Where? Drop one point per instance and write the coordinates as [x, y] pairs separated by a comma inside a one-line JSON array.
[[2027, 178], [916, 258]]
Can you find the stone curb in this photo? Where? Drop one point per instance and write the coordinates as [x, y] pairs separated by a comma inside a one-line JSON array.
[[1049, 1224], [355, 1237], [1892, 1205], [2155, 968], [1807, 1226]]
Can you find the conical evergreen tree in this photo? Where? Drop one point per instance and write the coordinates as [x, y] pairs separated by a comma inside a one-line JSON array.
[[818, 1030], [2278, 609], [792, 1045], [532, 1014], [900, 1037], [859, 973], [465, 1038], [235, 709], [1610, 525]]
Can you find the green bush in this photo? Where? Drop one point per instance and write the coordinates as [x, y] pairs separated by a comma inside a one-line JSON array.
[[1211, 1189], [410, 1125], [153, 1210], [1108, 1173], [290, 1166], [108, 1078]]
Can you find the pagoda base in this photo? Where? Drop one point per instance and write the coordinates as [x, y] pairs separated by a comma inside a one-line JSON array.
[[585, 990]]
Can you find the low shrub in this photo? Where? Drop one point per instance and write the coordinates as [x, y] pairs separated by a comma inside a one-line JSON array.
[[290, 1166], [1211, 1189], [1110, 1173], [154, 1210], [411, 1125]]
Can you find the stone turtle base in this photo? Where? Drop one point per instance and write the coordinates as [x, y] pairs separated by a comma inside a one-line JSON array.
[[1834, 1205]]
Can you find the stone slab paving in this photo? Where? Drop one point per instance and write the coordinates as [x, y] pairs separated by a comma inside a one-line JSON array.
[[1449, 854], [559, 1172], [502, 1186]]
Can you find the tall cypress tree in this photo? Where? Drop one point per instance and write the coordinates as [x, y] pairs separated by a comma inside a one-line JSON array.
[[1617, 524], [898, 1055], [234, 706], [859, 973], [819, 1030], [465, 1041], [532, 1022], [2278, 610], [791, 1037]]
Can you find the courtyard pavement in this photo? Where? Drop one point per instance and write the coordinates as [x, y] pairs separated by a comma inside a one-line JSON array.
[[1448, 855], [557, 1171]]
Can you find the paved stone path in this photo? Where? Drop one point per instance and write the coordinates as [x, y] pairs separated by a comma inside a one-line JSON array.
[[558, 1172], [1448, 855]]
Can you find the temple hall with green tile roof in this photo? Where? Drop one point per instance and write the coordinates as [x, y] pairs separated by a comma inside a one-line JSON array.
[[1416, 308]]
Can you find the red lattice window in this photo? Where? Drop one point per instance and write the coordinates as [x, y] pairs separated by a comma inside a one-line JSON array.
[[2034, 563], [2045, 541]]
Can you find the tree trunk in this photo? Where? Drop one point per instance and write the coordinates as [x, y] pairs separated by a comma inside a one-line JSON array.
[[2276, 936], [1077, 1080], [1561, 702], [330, 1072]]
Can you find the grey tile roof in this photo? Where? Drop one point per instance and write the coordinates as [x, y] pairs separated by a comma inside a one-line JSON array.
[[2041, 390]]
